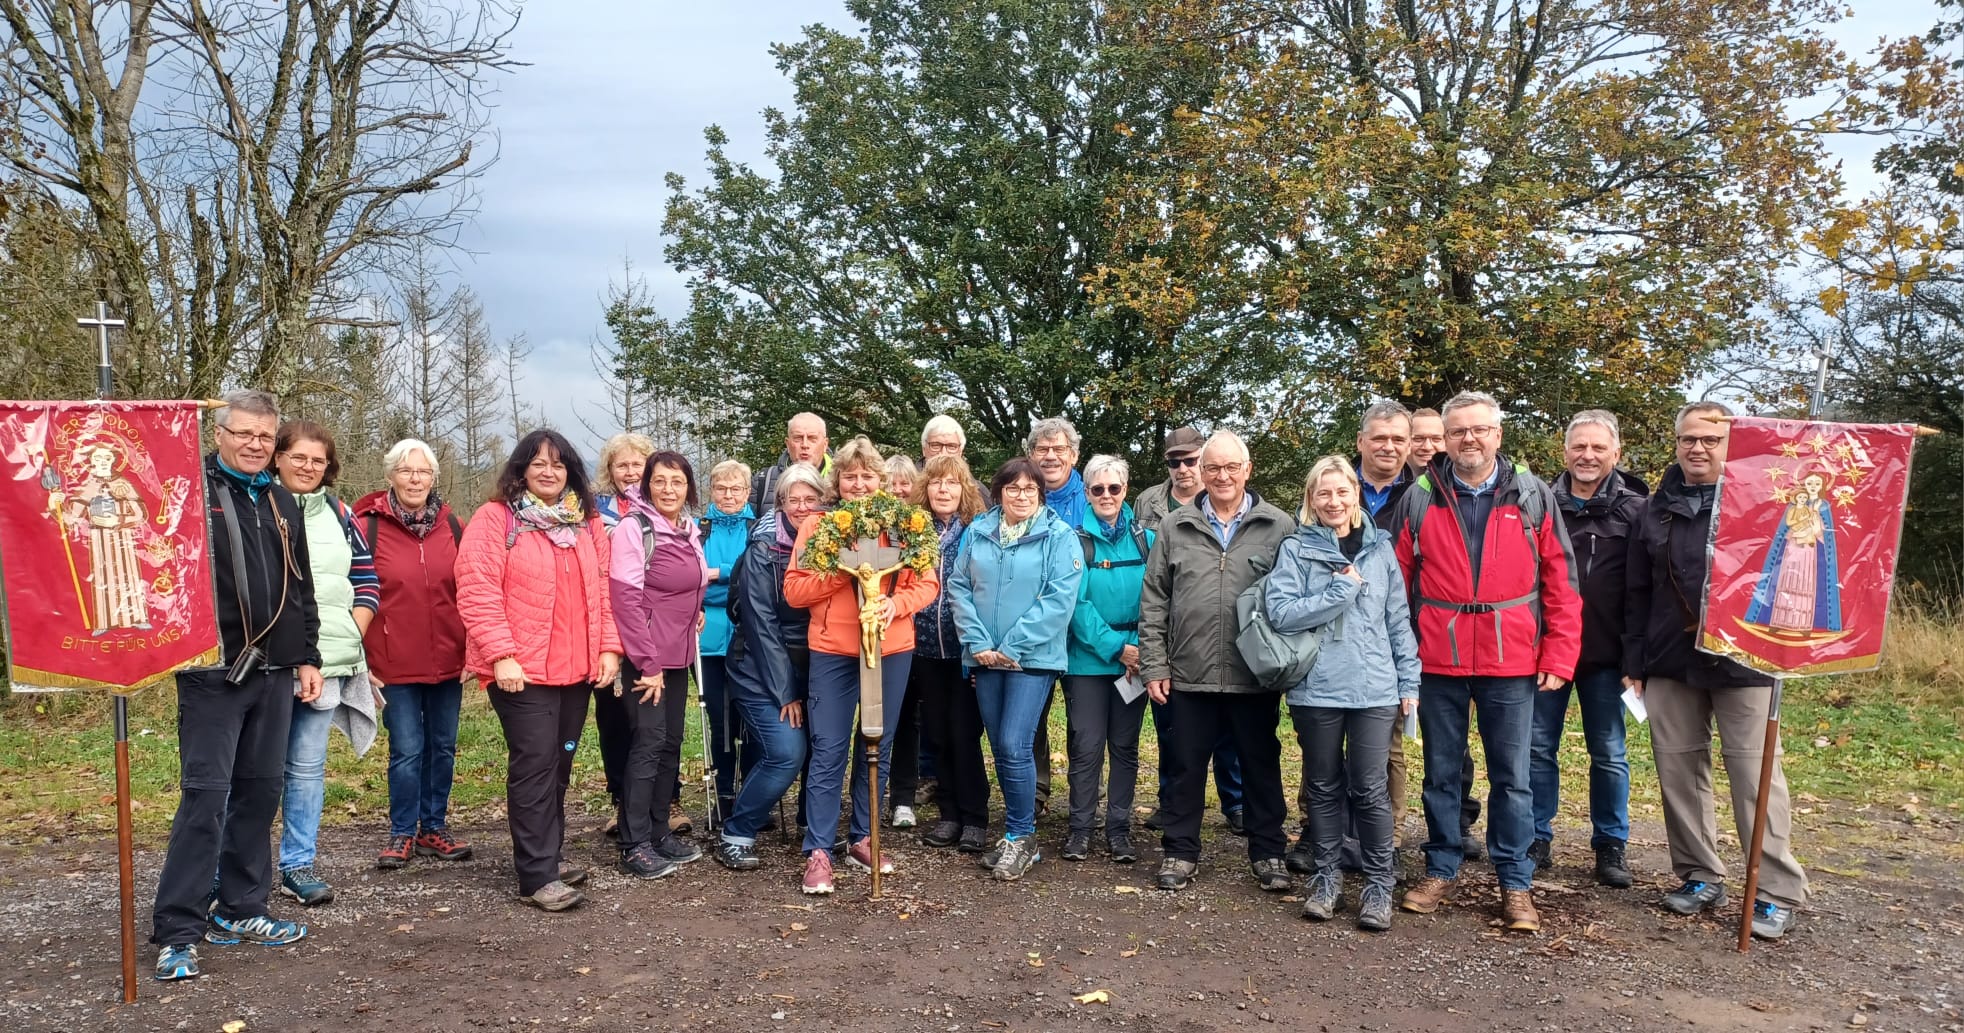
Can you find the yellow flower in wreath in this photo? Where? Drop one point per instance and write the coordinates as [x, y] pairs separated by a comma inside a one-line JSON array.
[[843, 519]]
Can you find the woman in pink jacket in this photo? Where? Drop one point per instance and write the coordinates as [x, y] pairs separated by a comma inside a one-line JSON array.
[[658, 575], [539, 632]]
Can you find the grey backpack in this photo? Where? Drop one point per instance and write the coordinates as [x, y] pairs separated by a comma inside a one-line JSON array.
[[1278, 660]]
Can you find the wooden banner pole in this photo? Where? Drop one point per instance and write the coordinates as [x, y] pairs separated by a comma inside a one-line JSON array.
[[1769, 753]]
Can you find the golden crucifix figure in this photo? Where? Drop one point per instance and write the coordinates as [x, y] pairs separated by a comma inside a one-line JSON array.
[[872, 621]]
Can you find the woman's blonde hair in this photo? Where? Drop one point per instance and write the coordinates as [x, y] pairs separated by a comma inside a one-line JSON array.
[[1324, 467], [898, 466], [729, 470], [946, 466], [860, 451], [626, 441]]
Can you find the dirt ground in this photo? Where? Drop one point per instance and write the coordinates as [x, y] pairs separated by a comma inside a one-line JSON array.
[[443, 947]]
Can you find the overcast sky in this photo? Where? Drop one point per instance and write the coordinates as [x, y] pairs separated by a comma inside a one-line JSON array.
[[616, 95]]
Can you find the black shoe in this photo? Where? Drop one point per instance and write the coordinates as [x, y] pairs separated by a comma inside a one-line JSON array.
[[945, 833], [1693, 897], [1471, 847], [1077, 846], [643, 862], [1175, 874], [1301, 857], [1272, 875], [1541, 852], [1236, 820], [1156, 821], [1611, 870], [1120, 845], [737, 857], [679, 850], [975, 839]]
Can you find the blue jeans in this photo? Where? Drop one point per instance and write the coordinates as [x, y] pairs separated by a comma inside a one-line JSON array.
[[1012, 703], [1227, 765], [306, 784], [831, 715], [1601, 695], [422, 723], [1506, 722], [781, 758]]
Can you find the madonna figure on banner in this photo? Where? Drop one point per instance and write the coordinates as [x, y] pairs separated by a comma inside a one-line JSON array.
[[1799, 590]]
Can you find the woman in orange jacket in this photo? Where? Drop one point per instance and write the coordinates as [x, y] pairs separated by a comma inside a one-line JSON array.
[[835, 636]]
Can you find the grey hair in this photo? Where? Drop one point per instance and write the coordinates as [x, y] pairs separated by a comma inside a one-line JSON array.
[[400, 451], [1467, 399], [942, 423], [730, 470], [805, 474], [822, 429], [1228, 439], [252, 403], [1052, 427], [1386, 410], [899, 465], [1104, 464], [1703, 406], [1598, 418]]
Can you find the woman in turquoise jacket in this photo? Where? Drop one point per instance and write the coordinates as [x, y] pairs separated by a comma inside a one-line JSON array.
[[1104, 650], [725, 534], [1012, 593]]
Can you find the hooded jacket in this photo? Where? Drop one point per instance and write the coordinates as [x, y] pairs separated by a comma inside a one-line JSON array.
[[1106, 618], [1599, 530], [771, 628], [1370, 658], [1069, 502], [1186, 606], [1016, 599], [656, 594], [1666, 575], [724, 537]]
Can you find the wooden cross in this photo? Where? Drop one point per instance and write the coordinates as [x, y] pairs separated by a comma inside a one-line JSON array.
[[867, 562]]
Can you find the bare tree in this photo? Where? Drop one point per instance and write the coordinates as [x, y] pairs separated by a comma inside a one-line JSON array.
[[517, 349], [629, 308], [472, 386], [421, 327]]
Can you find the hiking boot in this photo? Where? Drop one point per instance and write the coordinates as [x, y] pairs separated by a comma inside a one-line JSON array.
[[1321, 895], [554, 896], [1517, 911], [644, 862], [397, 853], [1611, 870], [679, 850], [440, 844], [1471, 846], [818, 873], [1119, 843], [1374, 909], [306, 886], [860, 856], [1770, 920], [1017, 857], [1694, 896], [1425, 898], [1077, 846], [1237, 820], [1542, 853], [678, 819], [1301, 857], [1272, 875], [903, 817], [612, 830], [264, 930], [945, 833], [975, 839], [177, 961], [988, 860], [570, 875], [1175, 874], [737, 857], [1156, 821]]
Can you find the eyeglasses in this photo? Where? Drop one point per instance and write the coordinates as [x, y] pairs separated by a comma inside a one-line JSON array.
[[1050, 450], [414, 473], [1708, 442], [1217, 469], [305, 462], [937, 448], [1021, 489], [1482, 432], [264, 440], [1100, 490], [1181, 462]]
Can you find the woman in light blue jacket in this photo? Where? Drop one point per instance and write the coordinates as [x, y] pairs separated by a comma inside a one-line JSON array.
[[1012, 592], [1338, 576]]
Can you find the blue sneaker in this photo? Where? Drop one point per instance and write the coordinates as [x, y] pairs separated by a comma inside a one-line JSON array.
[[306, 886], [1694, 896], [264, 930], [177, 961], [1771, 921]]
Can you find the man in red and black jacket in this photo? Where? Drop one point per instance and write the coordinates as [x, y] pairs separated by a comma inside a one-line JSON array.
[[1492, 581]]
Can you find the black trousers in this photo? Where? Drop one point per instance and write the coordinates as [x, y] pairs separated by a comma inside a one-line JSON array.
[[542, 726], [1346, 758], [952, 721], [1040, 748], [904, 770], [654, 754], [1195, 723], [613, 734], [1099, 721], [231, 756]]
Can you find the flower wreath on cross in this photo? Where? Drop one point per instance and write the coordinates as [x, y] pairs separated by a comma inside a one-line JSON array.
[[905, 526]]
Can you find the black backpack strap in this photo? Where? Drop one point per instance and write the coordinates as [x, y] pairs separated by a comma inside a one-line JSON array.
[[373, 522], [456, 528]]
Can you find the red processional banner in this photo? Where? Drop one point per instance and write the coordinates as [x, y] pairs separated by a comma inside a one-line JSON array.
[[104, 553], [1804, 544]]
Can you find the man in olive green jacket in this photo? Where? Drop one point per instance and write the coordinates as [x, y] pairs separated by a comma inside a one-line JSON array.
[[1205, 555]]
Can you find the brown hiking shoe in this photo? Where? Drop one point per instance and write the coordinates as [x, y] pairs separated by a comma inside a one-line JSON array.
[[678, 820], [553, 896], [1425, 898], [1517, 911]]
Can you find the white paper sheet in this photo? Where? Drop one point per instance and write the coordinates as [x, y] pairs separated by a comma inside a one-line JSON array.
[[1129, 687], [1635, 704]]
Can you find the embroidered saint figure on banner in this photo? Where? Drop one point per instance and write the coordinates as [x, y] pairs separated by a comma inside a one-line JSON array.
[[105, 507], [1799, 588]]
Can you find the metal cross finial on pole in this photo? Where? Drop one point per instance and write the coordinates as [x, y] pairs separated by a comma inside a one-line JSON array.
[[102, 324]]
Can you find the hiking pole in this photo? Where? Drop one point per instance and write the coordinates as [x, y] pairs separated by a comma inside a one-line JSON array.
[[710, 816]]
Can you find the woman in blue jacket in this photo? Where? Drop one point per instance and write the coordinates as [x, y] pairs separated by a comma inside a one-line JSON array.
[[725, 534], [1338, 575], [1104, 647], [1012, 592]]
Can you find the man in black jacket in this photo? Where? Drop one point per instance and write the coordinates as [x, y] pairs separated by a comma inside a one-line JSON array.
[[233, 719], [1600, 505], [1687, 691]]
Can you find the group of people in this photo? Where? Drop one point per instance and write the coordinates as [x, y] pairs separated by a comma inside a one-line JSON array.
[[1429, 580]]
